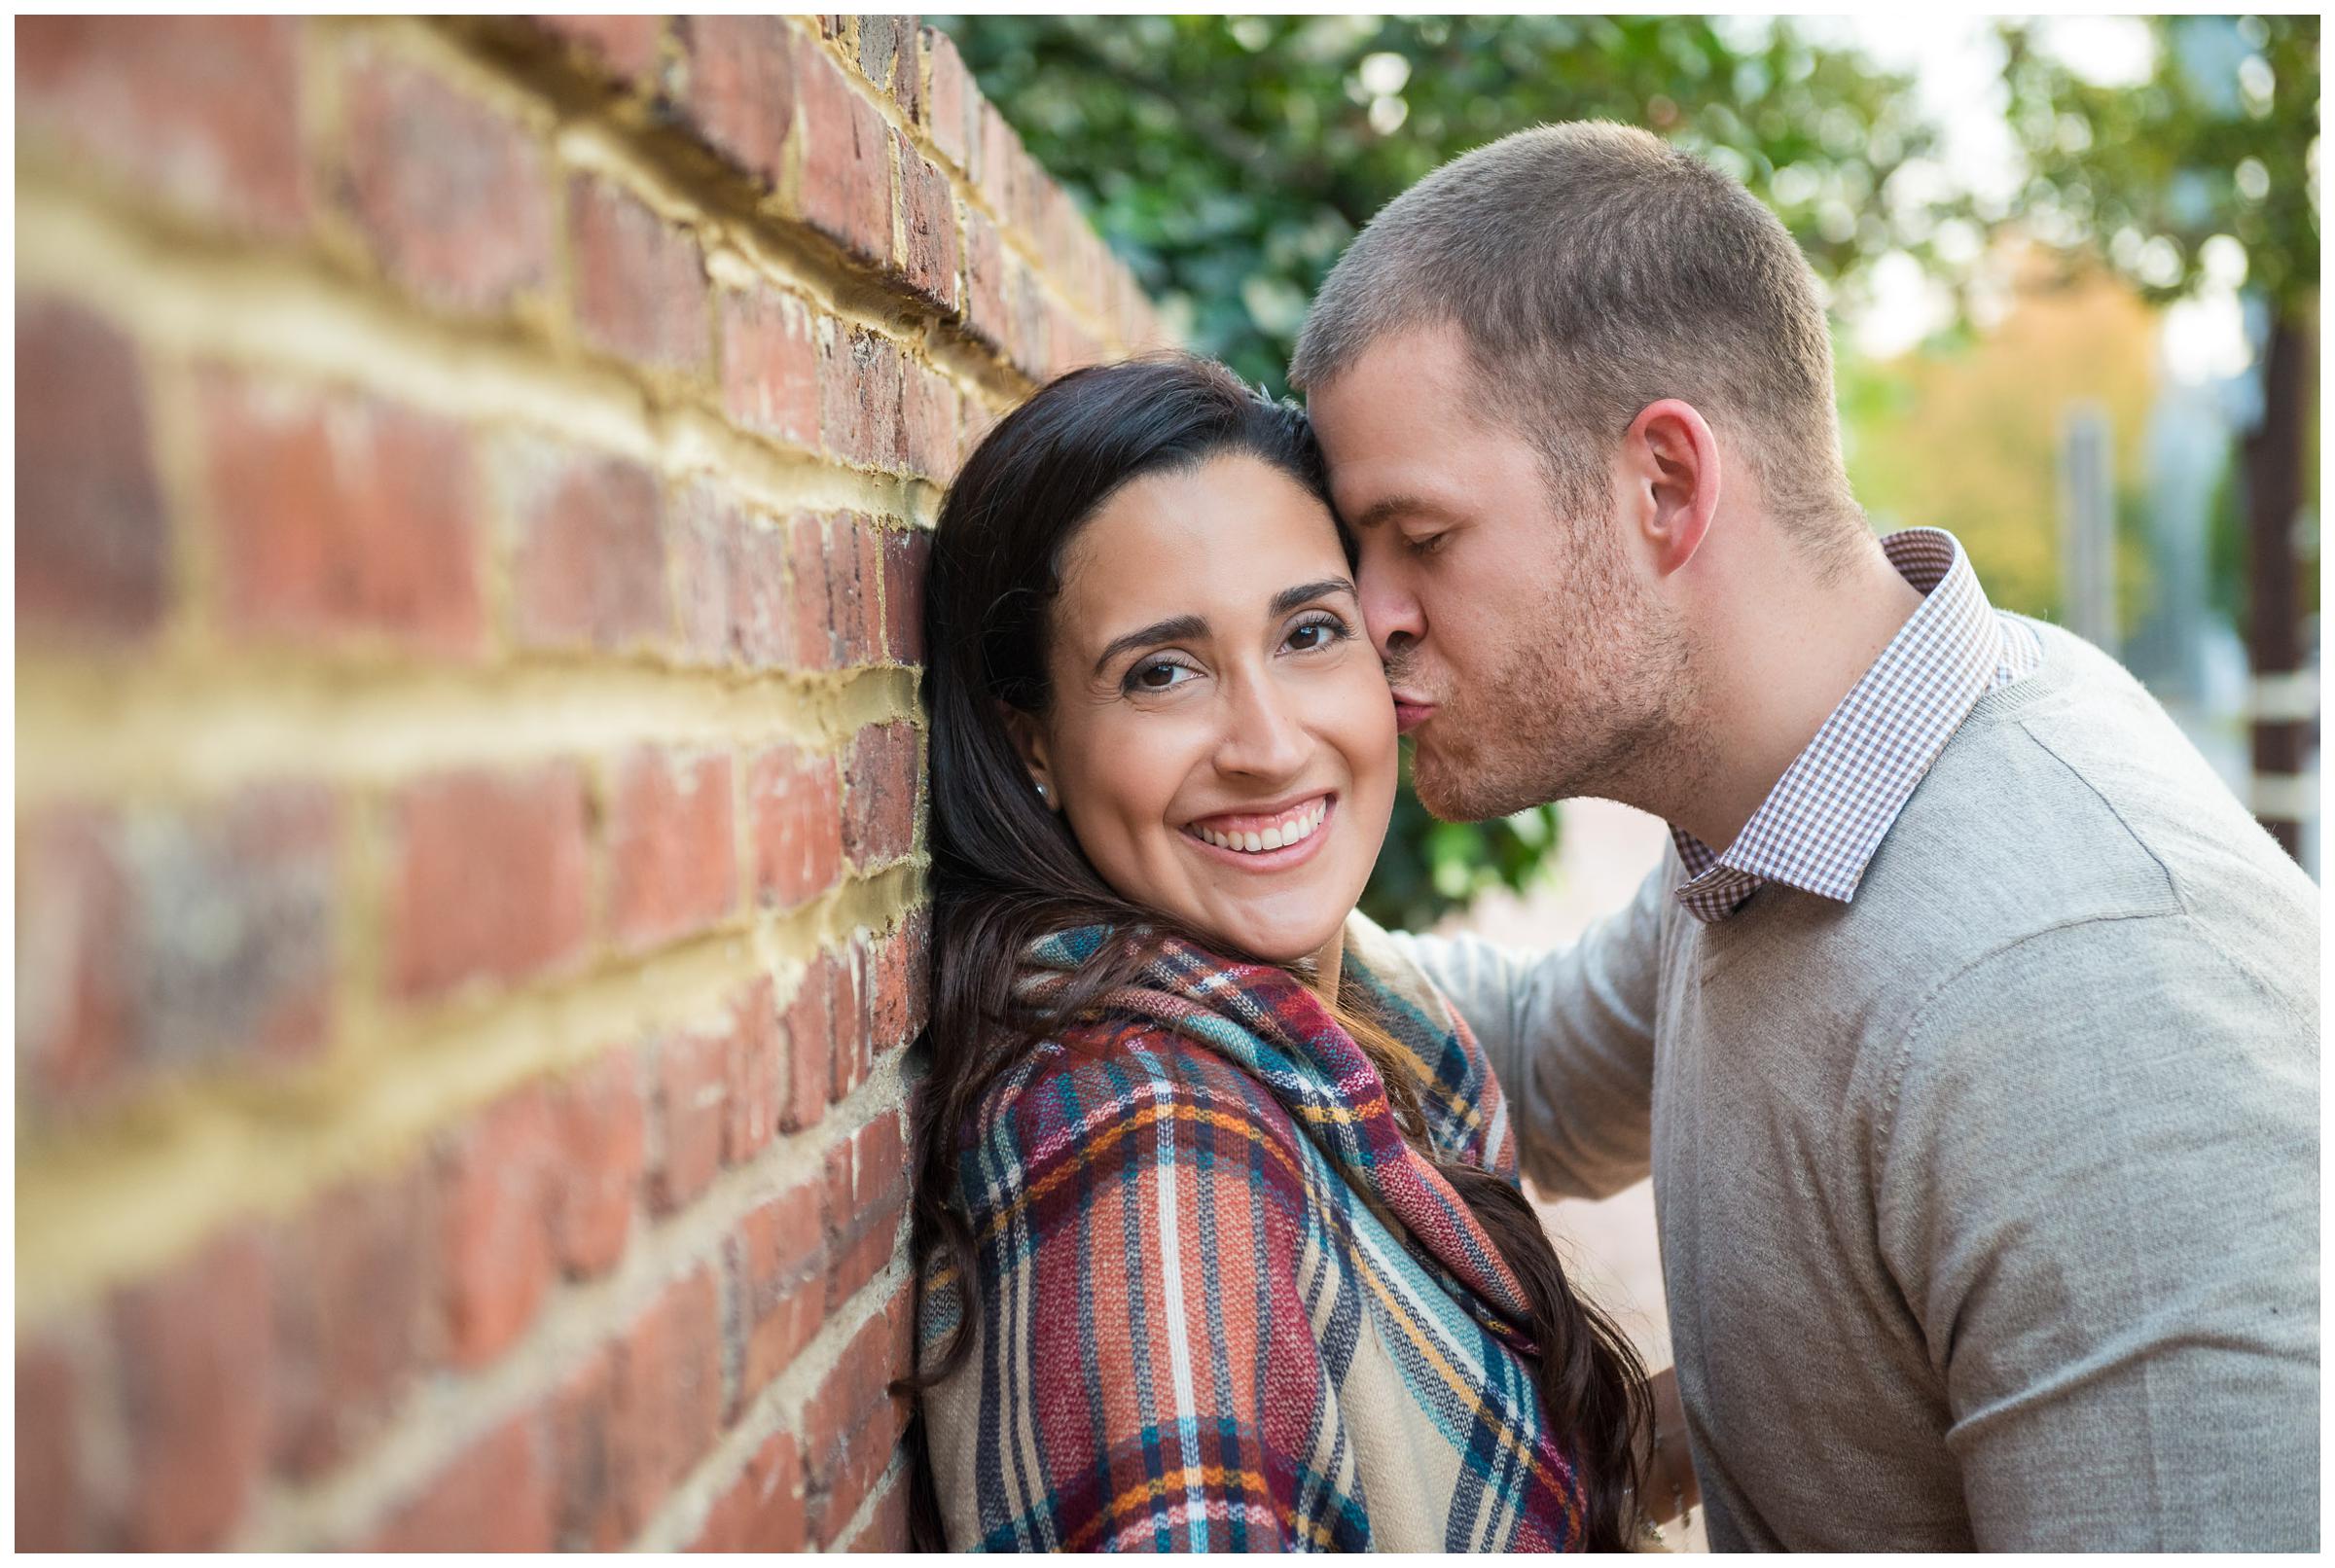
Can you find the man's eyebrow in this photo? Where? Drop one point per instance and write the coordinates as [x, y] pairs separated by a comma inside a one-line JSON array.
[[1390, 505], [1175, 628], [1289, 598]]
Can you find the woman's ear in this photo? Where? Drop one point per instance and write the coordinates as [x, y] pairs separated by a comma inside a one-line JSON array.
[[1028, 736]]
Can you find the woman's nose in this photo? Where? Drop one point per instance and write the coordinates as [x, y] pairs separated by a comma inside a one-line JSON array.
[[1264, 732]]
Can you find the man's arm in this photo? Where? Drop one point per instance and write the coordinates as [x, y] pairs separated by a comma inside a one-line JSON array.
[[2099, 1195], [1571, 1036]]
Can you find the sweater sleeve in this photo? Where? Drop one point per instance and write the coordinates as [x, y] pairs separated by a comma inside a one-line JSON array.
[[1571, 1037], [2099, 1195], [1144, 1376]]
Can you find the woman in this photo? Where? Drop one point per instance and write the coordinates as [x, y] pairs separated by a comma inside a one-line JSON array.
[[1215, 1198]]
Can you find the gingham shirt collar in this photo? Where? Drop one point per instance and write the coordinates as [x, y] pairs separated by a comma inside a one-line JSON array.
[[1825, 817]]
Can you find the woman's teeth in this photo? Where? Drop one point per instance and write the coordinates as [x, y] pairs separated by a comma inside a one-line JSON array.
[[1294, 829]]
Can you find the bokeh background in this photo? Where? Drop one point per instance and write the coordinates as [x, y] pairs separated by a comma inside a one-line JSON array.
[[2072, 268]]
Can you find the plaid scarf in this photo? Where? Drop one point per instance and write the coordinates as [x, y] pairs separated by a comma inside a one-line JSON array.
[[1224, 1305]]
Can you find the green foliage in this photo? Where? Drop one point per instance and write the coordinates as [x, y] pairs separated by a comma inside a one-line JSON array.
[[1229, 160]]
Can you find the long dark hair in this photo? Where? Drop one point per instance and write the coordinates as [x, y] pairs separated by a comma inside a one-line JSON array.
[[1006, 871]]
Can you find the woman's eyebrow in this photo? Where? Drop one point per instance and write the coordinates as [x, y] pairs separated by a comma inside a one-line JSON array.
[[1176, 628], [1289, 598]]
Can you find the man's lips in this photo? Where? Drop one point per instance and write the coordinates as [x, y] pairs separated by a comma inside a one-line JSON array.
[[1409, 712]]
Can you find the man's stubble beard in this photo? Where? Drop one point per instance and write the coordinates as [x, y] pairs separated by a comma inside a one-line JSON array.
[[1597, 701]]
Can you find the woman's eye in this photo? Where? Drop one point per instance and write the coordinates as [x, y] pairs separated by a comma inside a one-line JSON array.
[[1160, 675], [1309, 635]]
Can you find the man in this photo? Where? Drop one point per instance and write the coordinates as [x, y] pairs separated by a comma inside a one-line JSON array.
[[1969, 1028]]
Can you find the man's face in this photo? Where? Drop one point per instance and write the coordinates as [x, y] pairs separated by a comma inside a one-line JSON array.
[[1530, 659]]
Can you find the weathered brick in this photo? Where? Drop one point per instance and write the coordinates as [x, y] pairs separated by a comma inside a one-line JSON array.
[[601, 1128], [756, 1073], [851, 1018], [949, 95], [773, 1256], [888, 58], [590, 571], [193, 1346], [836, 574], [770, 364], [204, 112], [342, 517], [761, 1509], [732, 570], [495, 1496], [907, 554], [880, 793], [986, 282], [927, 229], [173, 938], [742, 89], [931, 412], [793, 813], [496, 1224], [356, 1288], [671, 845], [1031, 308], [92, 540], [847, 162], [591, 1515], [851, 1426], [892, 989], [624, 47], [640, 284], [809, 1045], [866, 1195], [667, 1397], [886, 1528], [692, 1069], [1068, 344], [860, 389], [492, 879], [453, 198], [1005, 167], [51, 1505]]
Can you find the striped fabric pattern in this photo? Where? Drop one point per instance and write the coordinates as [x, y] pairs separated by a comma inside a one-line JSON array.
[[1821, 823], [1223, 1305]]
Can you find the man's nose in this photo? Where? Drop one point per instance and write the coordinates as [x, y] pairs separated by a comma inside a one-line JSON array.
[[1392, 614]]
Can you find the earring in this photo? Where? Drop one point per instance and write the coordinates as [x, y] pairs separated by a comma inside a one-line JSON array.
[[1042, 795]]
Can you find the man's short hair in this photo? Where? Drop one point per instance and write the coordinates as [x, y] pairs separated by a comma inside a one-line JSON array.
[[1594, 269]]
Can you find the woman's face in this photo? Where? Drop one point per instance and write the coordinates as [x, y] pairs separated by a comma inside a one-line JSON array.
[[1222, 739]]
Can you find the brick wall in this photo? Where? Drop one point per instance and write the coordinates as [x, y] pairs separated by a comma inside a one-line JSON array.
[[472, 482]]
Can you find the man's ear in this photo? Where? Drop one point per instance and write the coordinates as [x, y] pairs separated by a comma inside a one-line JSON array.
[[1029, 736], [1671, 463]]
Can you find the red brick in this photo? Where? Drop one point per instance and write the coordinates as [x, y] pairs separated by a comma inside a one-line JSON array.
[[356, 1286], [809, 1045], [692, 1070], [92, 540], [169, 939], [1006, 171], [342, 517], [455, 199], [851, 1015], [495, 1496], [774, 1258], [492, 877], [771, 366], [907, 554], [836, 574], [886, 1529], [861, 377], [204, 112], [880, 793], [987, 280], [794, 812], [640, 285], [866, 1195], [732, 570], [762, 1511], [624, 47], [949, 94], [892, 989], [742, 89], [1069, 346], [851, 1426], [932, 408], [888, 58], [51, 1506], [847, 162], [591, 1515], [1032, 311], [194, 1352], [665, 1396], [672, 847], [756, 1073], [601, 1128], [495, 1225], [590, 565]]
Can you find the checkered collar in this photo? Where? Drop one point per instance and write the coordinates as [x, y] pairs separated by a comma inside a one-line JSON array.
[[1821, 823]]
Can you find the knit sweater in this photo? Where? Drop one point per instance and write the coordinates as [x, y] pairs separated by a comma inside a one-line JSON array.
[[1223, 1305], [1989, 1200]]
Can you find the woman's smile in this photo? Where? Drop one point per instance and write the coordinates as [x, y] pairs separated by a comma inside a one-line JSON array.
[[1273, 840]]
